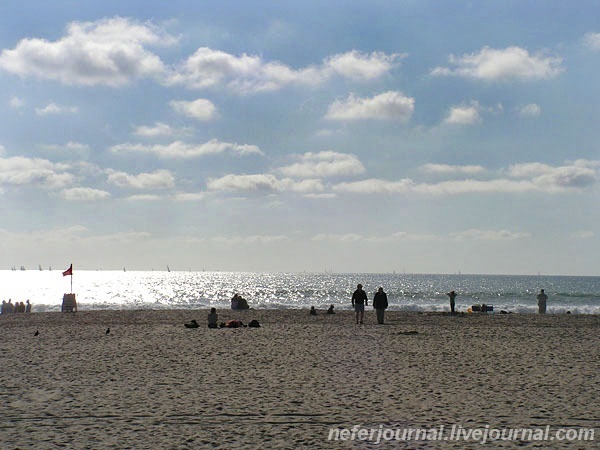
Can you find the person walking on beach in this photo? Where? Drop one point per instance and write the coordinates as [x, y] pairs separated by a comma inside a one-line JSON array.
[[380, 303], [542, 298], [452, 296], [359, 301]]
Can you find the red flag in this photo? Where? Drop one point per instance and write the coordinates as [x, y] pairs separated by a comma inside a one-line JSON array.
[[69, 271]]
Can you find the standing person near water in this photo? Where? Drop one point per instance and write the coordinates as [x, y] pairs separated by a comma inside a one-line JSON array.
[[380, 303], [452, 296], [359, 301], [542, 298]]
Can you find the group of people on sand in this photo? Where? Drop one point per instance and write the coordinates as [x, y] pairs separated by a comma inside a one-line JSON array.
[[213, 322], [359, 301], [380, 304], [17, 307], [542, 300]]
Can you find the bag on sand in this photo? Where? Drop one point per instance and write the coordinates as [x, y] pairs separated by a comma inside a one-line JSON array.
[[254, 324]]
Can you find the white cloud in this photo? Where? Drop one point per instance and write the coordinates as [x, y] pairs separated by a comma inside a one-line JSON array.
[[529, 110], [464, 115], [160, 179], [460, 187], [251, 74], [375, 186], [106, 52], [592, 40], [182, 150], [390, 105], [16, 103], [252, 239], [189, 196], [263, 183], [354, 237], [324, 196], [344, 238], [448, 169], [144, 197], [157, 130], [583, 234], [324, 164], [21, 171], [200, 109], [53, 108], [84, 194], [246, 183], [70, 146], [502, 64], [360, 66], [575, 176], [489, 235], [523, 178]]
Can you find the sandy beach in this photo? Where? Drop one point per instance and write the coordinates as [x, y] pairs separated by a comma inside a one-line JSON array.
[[150, 383]]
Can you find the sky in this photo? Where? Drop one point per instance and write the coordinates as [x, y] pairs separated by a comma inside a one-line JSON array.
[[343, 136]]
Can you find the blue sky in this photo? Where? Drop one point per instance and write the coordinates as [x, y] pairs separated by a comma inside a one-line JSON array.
[[417, 136]]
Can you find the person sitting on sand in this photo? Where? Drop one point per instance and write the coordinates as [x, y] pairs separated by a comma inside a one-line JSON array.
[[542, 298], [313, 311], [330, 310], [212, 318]]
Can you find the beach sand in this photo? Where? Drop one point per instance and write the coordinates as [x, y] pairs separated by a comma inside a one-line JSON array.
[[153, 384]]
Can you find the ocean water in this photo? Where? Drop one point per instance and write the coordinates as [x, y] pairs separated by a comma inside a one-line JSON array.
[[157, 289]]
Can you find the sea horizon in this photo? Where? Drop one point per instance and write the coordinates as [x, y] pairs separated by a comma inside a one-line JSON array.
[[160, 289]]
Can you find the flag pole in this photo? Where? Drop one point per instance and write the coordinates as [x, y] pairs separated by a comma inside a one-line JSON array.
[[71, 278]]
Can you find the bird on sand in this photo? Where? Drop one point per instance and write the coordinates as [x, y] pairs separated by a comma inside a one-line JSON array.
[[107, 331], [36, 333]]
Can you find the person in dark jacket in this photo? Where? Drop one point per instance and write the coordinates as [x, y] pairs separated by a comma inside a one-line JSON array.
[[380, 303], [359, 300]]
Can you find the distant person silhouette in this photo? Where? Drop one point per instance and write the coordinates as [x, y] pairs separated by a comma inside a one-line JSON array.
[[313, 311], [28, 307], [330, 310], [359, 301], [213, 317], [542, 298], [239, 302], [380, 303], [452, 296]]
